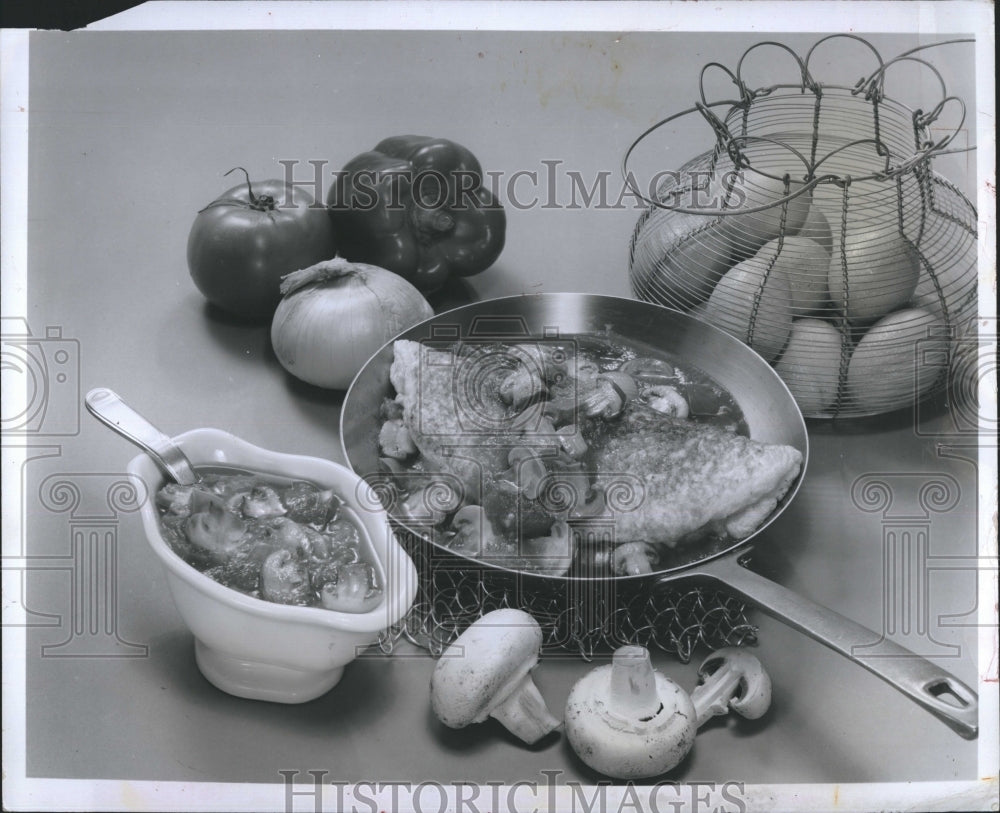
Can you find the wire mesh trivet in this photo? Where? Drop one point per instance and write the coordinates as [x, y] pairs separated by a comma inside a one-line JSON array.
[[579, 618]]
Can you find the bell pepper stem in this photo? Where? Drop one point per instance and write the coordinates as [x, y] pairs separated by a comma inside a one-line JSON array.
[[431, 223]]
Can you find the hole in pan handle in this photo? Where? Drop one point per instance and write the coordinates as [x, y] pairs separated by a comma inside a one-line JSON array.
[[922, 681]]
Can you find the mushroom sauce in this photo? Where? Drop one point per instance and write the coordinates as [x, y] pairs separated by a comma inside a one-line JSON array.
[[288, 542]]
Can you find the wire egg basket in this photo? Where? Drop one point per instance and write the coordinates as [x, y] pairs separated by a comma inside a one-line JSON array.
[[816, 231]]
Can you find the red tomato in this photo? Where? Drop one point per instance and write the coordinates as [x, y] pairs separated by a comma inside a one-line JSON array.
[[243, 243]]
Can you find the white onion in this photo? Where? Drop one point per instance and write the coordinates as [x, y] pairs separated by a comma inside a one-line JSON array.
[[336, 314]]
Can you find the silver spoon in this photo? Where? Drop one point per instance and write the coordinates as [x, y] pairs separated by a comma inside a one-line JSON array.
[[108, 407]]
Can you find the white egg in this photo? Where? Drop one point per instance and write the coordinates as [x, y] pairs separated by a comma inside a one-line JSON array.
[[874, 272], [806, 265], [753, 306], [677, 257], [810, 365], [748, 189], [898, 360], [816, 227]]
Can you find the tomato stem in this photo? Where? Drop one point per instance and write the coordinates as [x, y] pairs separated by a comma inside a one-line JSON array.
[[262, 203], [247, 175]]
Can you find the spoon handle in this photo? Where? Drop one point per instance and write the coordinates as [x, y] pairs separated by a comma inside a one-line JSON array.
[[108, 407]]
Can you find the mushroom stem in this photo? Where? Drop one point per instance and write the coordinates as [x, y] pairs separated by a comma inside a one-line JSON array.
[[524, 713], [712, 697], [633, 692], [732, 679]]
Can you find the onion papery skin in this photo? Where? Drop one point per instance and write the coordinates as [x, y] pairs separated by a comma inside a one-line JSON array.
[[336, 314]]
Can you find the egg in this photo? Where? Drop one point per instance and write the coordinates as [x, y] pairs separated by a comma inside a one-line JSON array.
[[875, 272], [677, 257], [897, 360], [816, 227], [699, 311], [810, 365], [805, 264], [955, 290], [753, 306], [747, 189]]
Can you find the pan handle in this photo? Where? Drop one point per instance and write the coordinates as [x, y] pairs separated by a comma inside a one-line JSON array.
[[928, 685]]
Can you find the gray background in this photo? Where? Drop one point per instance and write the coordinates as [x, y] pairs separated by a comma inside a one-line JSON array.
[[130, 134]]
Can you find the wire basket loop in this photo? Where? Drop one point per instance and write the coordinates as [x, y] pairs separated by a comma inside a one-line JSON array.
[[883, 117], [744, 91], [806, 80]]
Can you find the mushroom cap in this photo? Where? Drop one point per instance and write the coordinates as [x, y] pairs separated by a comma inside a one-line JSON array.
[[483, 666], [628, 748]]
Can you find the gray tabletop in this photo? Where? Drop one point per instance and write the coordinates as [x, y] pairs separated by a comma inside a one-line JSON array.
[[130, 135]]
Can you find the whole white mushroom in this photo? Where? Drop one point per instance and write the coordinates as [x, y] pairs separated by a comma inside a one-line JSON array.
[[629, 721], [486, 672]]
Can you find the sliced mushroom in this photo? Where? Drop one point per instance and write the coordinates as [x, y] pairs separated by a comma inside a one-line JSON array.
[[211, 527], [527, 470], [354, 590], [263, 501], [552, 554], [521, 386], [284, 579], [175, 499], [734, 679], [666, 400], [649, 370], [611, 392], [571, 441], [306, 503], [290, 536], [561, 410], [474, 535], [395, 440], [430, 504], [633, 558]]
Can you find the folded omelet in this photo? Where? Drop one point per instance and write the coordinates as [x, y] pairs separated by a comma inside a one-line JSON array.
[[459, 425], [695, 481], [684, 480]]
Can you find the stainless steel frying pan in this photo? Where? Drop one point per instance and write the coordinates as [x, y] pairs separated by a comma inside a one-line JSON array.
[[771, 415]]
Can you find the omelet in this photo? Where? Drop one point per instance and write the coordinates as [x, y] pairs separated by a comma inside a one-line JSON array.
[[455, 415], [655, 478], [687, 481]]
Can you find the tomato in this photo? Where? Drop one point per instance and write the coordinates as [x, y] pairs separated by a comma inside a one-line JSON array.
[[244, 242]]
